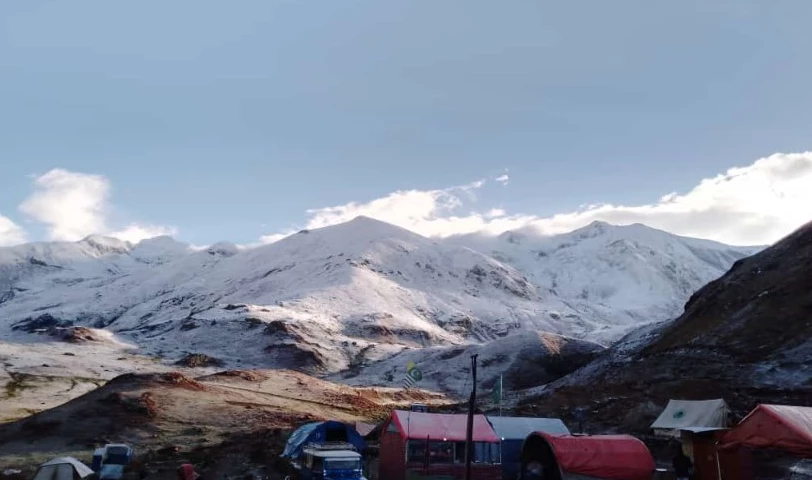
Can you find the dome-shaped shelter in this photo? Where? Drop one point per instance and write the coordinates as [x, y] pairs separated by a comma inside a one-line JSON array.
[[597, 457], [320, 433]]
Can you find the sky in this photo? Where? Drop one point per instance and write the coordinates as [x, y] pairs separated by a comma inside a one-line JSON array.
[[244, 121]]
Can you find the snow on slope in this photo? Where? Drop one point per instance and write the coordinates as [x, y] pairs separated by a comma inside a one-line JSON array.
[[523, 359], [316, 299], [617, 275], [352, 294]]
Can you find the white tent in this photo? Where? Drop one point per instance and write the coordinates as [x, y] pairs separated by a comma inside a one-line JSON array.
[[692, 416], [63, 468]]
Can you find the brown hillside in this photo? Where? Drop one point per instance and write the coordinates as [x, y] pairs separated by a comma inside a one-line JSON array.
[[169, 417]]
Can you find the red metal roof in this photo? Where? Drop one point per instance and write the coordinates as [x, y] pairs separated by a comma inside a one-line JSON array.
[[442, 426], [775, 426], [615, 457]]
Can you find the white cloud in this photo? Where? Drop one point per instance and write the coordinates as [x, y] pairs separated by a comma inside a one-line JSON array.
[[495, 212], [752, 205], [503, 179], [134, 232], [10, 232], [74, 205]]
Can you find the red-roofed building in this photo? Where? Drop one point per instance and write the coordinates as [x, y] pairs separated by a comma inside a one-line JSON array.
[[781, 427], [434, 444]]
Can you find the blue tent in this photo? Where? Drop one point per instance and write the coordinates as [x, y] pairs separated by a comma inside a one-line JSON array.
[[320, 432], [513, 430]]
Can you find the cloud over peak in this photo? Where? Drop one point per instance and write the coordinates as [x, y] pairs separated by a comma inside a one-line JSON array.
[[73, 205], [752, 205]]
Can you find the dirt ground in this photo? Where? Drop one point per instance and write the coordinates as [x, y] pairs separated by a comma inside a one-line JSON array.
[[229, 424]]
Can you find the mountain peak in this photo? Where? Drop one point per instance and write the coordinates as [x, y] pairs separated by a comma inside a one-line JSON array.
[[105, 245], [372, 227]]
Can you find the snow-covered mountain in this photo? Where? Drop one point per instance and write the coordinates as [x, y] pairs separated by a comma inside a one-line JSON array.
[[352, 294], [745, 337], [614, 275]]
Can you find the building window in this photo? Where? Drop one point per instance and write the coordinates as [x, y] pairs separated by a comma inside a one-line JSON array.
[[439, 452], [484, 452], [450, 452]]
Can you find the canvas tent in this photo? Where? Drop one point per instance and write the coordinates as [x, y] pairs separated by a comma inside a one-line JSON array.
[[604, 457], [319, 433], [781, 427], [432, 444], [63, 468], [692, 416], [513, 430]]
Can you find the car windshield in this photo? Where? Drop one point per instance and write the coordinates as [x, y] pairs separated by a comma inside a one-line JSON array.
[[342, 464]]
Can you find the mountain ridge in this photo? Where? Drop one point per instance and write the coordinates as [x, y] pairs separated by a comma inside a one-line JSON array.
[[325, 299]]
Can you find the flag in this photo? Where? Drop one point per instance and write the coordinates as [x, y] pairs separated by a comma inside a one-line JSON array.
[[496, 393], [413, 375]]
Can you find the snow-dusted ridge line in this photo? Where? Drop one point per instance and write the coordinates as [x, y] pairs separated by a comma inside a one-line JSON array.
[[352, 294]]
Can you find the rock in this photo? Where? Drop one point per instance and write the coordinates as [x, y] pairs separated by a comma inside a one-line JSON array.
[[195, 360]]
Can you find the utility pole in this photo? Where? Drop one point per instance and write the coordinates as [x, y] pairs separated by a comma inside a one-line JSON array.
[[469, 431]]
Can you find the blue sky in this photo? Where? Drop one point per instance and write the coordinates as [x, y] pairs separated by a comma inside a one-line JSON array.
[[232, 119]]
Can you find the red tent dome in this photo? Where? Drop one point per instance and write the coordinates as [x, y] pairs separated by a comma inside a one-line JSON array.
[[612, 457]]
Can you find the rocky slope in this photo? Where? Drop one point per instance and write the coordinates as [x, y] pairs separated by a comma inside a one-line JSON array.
[[523, 360], [745, 337]]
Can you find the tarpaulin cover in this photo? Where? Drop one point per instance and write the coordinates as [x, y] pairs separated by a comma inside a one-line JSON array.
[[615, 457], [775, 426], [441, 426], [62, 468], [320, 432], [693, 415]]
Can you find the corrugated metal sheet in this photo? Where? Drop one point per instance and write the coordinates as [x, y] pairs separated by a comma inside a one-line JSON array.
[[518, 428], [442, 426]]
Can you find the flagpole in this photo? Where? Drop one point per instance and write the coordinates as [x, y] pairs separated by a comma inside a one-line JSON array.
[[501, 394]]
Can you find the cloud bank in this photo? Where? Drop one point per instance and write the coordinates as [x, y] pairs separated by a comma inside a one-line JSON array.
[[752, 205]]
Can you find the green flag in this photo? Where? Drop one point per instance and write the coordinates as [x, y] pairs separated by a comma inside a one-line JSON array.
[[496, 393]]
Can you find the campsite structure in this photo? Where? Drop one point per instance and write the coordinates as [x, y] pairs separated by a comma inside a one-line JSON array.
[[696, 424], [722, 453], [781, 427], [778, 428], [512, 432], [427, 444], [692, 416], [319, 433], [585, 457], [63, 468]]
